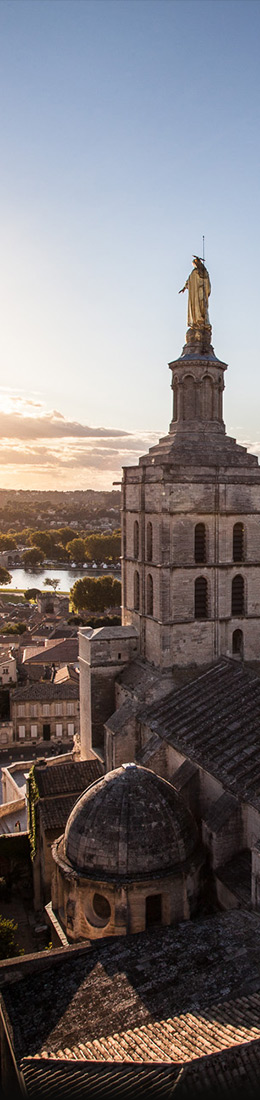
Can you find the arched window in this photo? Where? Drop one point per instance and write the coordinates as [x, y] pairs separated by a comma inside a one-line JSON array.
[[136, 539], [149, 595], [201, 598], [136, 591], [237, 643], [189, 398], [238, 595], [149, 542], [238, 542], [200, 543]]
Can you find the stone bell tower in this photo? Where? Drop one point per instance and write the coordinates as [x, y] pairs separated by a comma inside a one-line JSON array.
[[191, 518]]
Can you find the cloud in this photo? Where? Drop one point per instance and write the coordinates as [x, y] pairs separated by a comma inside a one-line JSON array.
[[39, 449], [53, 425]]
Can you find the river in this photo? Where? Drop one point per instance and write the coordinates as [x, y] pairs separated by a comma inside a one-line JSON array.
[[23, 578]]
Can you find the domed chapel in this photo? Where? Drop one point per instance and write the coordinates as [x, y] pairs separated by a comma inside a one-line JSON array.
[[130, 857]]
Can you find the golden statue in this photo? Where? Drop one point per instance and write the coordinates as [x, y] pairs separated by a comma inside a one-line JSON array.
[[198, 286]]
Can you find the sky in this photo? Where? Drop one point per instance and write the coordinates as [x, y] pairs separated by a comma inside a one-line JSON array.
[[130, 129]]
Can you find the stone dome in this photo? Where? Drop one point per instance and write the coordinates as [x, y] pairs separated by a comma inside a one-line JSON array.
[[129, 824]]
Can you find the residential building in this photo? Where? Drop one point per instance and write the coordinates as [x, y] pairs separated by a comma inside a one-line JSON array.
[[45, 711], [8, 667]]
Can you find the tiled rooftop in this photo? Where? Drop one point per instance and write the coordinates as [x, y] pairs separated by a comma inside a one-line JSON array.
[[46, 690], [64, 649], [229, 1075], [174, 993], [65, 778], [215, 722], [67, 672], [54, 812]]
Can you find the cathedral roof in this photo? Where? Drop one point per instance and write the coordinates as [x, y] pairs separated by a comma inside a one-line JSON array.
[[214, 722], [130, 823]]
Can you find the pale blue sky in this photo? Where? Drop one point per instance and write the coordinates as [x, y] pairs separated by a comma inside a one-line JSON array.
[[129, 128]]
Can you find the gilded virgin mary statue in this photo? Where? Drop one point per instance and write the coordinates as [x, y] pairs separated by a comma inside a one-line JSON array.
[[198, 286]]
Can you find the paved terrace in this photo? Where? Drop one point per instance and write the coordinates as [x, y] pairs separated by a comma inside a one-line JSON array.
[[215, 722]]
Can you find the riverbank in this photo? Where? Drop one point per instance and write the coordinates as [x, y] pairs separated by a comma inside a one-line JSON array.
[[64, 575]]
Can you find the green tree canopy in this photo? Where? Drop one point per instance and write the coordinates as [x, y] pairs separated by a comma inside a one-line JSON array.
[[5, 576], [8, 946], [96, 594], [59, 552], [31, 593], [7, 542], [43, 540], [52, 582], [13, 628], [65, 534], [103, 547], [76, 549], [32, 557]]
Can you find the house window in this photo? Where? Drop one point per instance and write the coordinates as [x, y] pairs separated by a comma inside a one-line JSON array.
[[21, 732], [34, 730], [200, 543], [238, 542], [5, 671], [136, 591], [59, 730], [70, 708], [136, 539], [58, 709], [70, 729], [149, 595], [201, 598], [33, 710], [149, 542], [4, 737], [46, 710], [238, 595], [21, 711]]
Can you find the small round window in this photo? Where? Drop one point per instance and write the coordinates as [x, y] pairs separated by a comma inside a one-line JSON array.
[[101, 907], [98, 910]]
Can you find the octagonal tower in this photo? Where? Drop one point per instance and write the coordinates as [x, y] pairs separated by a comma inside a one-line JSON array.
[[190, 524]]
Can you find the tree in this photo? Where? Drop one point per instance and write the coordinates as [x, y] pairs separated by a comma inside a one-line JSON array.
[[8, 946], [32, 558], [52, 582], [24, 536], [59, 552], [76, 549], [43, 540], [64, 535], [13, 628], [103, 547], [5, 577], [96, 594], [7, 542], [31, 593]]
